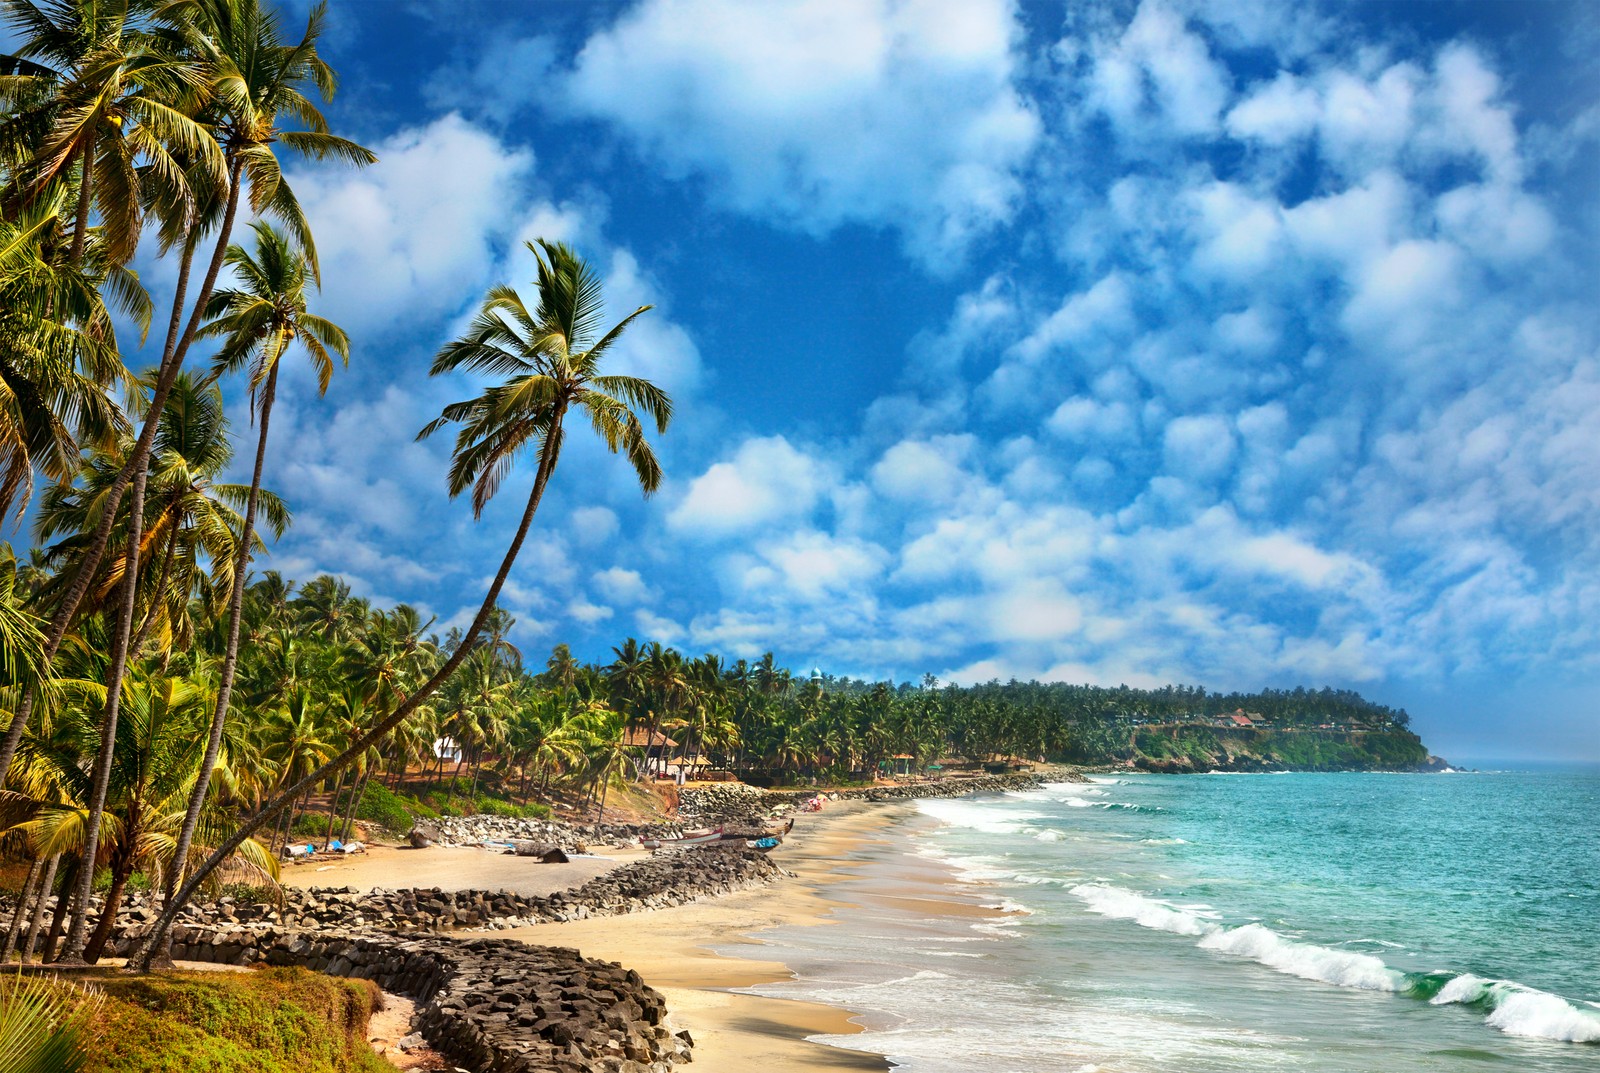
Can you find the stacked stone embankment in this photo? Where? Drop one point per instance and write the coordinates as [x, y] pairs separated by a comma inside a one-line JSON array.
[[736, 803], [657, 882], [491, 1005], [572, 837]]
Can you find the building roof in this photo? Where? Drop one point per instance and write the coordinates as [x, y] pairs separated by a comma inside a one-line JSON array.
[[1241, 720], [639, 735]]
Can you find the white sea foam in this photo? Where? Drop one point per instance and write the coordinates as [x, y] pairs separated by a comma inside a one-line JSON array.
[[1522, 1011], [1146, 912], [1306, 960]]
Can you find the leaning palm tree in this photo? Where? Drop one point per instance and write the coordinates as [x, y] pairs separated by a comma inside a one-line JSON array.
[[259, 322], [255, 81], [551, 357]]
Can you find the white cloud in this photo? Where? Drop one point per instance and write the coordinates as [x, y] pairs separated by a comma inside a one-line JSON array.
[[658, 628], [592, 526], [767, 480], [1159, 76], [1277, 114], [825, 112], [810, 564], [1400, 294], [622, 586], [413, 237], [1199, 448], [923, 470], [587, 613]]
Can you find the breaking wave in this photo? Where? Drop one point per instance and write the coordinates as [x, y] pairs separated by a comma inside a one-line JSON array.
[[1507, 1005]]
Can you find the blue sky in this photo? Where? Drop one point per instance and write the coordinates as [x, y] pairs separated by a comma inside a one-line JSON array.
[[1241, 343]]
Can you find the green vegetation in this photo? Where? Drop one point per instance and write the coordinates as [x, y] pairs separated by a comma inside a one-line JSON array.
[[45, 1027], [162, 705], [166, 710], [263, 1021]]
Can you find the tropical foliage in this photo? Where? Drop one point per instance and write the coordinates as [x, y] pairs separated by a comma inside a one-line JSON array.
[[171, 713]]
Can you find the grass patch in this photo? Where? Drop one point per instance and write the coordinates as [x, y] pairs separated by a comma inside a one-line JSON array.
[[265, 1021]]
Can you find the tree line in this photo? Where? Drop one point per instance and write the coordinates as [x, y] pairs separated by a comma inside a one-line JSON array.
[[167, 707], [147, 719]]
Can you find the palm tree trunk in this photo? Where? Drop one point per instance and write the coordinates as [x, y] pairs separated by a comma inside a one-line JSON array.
[[333, 808], [136, 646], [24, 904], [64, 904], [108, 914], [173, 353], [355, 803], [39, 901], [230, 659], [80, 227], [547, 463]]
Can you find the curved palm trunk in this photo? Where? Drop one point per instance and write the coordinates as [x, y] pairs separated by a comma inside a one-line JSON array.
[[333, 807], [76, 934], [40, 899], [547, 463], [24, 903], [173, 353], [355, 803], [120, 872], [230, 660], [64, 904]]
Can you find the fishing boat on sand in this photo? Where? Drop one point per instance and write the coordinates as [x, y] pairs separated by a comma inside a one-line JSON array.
[[688, 838]]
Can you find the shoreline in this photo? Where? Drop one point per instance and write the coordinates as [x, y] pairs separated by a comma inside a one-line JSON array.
[[684, 951]]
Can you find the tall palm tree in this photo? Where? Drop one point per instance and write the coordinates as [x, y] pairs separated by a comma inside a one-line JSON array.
[[258, 322], [191, 519], [551, 356], [115, 96], [255, 79]]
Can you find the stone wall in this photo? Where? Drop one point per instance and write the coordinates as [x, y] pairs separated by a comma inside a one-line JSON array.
[[658, 882], [491, 1005], [736, 803]]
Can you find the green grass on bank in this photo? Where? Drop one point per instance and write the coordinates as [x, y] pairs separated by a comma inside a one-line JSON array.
[[263, 1021], [395, 812]]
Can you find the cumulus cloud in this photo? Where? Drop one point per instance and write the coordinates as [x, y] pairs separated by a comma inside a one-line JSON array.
[[413, 237], [897, 113], [766, 480]]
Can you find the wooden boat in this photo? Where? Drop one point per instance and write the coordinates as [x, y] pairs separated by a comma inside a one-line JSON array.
[[688, 838]]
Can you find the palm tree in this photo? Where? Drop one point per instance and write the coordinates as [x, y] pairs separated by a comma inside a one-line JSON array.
[[190, 519], [551, 356], [255, 78], [258, 323], [114, 105], [58, 354]]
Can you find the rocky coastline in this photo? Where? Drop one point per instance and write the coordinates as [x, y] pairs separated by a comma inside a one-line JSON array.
[[504, 1006]]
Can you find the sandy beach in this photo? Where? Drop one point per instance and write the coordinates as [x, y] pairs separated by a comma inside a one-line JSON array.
[[683, 951], [455, 868], [672, 948]]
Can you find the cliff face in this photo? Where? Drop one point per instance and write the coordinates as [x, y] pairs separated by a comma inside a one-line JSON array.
[[1198, 747]]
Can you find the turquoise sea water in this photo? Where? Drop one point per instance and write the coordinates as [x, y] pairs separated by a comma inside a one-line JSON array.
[[1352, 923]]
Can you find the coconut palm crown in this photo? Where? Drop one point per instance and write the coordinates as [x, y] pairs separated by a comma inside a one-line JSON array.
[[550, 357]]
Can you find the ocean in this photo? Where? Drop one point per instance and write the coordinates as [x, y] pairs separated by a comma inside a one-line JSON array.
[[1347, 923]]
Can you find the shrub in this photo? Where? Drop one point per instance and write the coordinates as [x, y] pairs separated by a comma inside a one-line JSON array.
[[250, 893], [393, 812], [493, 806]]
